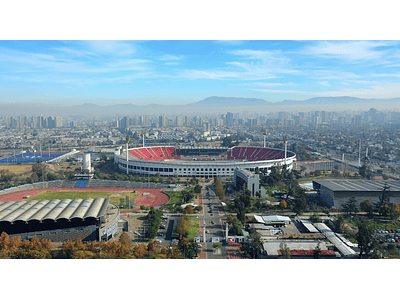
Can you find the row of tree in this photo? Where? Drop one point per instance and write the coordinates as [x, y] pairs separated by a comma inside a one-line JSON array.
[[287, 181], [154, 218], [383, 206], [34, 248]]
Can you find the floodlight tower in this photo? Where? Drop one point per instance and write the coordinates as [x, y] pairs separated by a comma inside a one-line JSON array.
[[359, 154], [127, 142], [285, 141]]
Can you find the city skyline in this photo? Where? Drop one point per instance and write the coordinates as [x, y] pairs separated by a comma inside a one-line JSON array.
[[183, 72]]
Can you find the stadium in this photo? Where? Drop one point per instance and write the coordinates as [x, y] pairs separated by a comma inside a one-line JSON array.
[[59, 220], [169, 161]]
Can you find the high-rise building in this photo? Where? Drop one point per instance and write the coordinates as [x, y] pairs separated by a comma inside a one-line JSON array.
[[50, 122], [58, 122], [123, 123], [179, 121], [188, 121], [229, 119], [162, 121], [207, 126]]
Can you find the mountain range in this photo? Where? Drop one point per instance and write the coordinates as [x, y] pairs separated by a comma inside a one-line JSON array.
[[217, 105]]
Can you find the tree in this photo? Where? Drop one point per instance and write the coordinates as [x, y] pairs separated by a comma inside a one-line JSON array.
[[366, 206], [365, 171], [285, 250], [241, 216], [68, 249], [317, 251], [230, 219], [300, 203], [188, 210], [394, 211], [197, 189], [187, 195], [351, 205], [228, 142], [124, 239], [283, 204], [154, 219], [338, 224], [235, 227], [314, 218], [365, 239], [384, 199], [182, 226], [258, 194], [255, 243], [198, 208], [188, 249]]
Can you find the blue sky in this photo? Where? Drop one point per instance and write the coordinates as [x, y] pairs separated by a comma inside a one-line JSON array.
[[179, 72]]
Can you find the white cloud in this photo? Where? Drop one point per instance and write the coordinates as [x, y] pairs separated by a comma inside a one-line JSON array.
[[170, 63], [350, 50], [198, 74], [170, 57], [386, 75], [269, 57], [324, 83], [263, 84], [74, 52], [332, 74], [117, 48]]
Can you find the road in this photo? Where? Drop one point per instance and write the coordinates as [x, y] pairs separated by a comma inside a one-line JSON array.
[[212, 224]]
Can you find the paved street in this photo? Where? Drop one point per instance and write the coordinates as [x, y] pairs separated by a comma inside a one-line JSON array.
[[213, 225]]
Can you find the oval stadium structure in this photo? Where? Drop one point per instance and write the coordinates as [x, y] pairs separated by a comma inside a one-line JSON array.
[[169, 161]]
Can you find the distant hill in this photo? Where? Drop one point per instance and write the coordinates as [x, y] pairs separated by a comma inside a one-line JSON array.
[[215, 101], [335, 100], [219, 105]]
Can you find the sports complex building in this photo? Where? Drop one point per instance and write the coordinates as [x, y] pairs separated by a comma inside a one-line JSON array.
[[199, 162], [337, 192], [60, 220]]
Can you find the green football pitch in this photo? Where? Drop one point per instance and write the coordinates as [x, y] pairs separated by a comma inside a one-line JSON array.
[[51, 195]]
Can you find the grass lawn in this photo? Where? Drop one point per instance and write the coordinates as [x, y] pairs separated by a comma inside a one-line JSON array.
[[17, 169], [51, 195], [117, 200], [194, 228], [175, 197], [375, 223]]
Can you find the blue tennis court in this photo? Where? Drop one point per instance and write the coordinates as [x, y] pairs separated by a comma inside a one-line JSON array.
[[31, 157]]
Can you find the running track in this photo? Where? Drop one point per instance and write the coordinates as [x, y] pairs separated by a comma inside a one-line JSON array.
[[156, 197]]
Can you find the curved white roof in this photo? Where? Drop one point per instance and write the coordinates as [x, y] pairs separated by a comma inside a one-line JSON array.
[[53, 210]]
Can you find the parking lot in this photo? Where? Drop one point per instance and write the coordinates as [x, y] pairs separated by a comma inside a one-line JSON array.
[[138, 227], [388, 236]]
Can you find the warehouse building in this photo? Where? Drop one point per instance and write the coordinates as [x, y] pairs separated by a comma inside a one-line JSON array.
[[337, 192]]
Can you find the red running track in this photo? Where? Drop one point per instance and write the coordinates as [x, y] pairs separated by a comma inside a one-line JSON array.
[[156, 197]]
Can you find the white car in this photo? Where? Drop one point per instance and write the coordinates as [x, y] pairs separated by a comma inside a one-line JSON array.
[[207, 231]]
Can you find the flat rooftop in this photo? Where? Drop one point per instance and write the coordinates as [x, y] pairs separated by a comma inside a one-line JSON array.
[[359, 185], [247, 173]]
